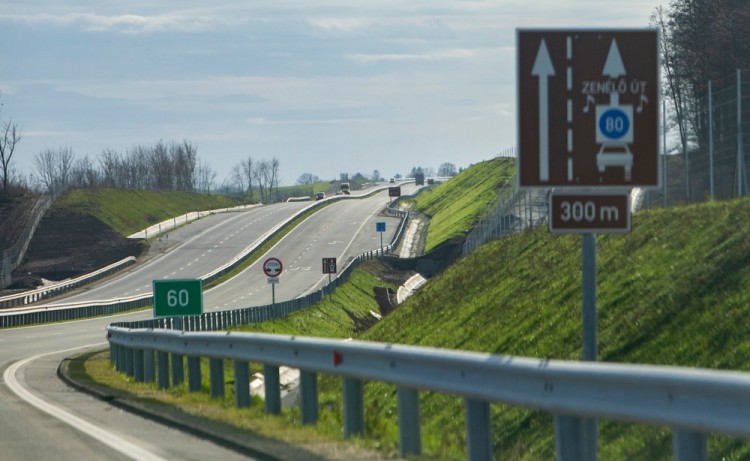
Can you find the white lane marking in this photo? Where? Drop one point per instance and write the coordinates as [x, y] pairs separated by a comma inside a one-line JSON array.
[[110, 439]]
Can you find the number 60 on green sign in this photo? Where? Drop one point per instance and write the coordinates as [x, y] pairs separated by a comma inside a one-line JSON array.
[[177, 298]]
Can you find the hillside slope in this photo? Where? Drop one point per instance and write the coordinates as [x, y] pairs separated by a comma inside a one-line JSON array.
[[455, 206], [85, 230], [673, 291]]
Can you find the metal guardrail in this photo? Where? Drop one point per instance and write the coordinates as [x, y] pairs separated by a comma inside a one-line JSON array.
[[693, 402], [14, 317], [32, 296]]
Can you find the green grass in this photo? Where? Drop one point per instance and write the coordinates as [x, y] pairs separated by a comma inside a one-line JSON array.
[[129, 211], [672, 291], [456, 205]]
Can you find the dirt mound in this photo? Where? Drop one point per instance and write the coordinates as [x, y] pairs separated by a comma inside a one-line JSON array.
[[67, 245], [14, 212]]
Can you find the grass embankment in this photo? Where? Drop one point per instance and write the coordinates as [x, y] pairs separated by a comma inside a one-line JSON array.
[[129, 211], [672, 291], [347, 312], [455, 206]]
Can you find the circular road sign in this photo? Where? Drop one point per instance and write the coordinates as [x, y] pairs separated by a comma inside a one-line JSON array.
[[272, 267]]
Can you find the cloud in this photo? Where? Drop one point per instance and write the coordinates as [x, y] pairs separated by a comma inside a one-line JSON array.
[[435, 55], [124, 23]]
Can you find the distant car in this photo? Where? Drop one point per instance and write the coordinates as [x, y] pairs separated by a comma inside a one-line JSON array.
[[392, 181], [320, 196]]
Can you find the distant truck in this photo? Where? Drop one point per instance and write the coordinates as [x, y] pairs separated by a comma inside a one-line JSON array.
[[419, 179], [344, 188]]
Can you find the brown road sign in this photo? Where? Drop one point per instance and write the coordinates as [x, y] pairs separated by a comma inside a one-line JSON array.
[[588, 108], [596, 212]]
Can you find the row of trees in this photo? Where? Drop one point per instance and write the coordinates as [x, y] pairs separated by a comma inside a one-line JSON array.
[[445, 170], [702, 41], [163, 166], [251, 175]]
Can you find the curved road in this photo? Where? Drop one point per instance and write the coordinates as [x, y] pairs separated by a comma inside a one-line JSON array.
[[44, 419]]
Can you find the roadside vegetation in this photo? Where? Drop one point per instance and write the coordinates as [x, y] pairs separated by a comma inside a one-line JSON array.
[[457, 205], [128, 211], [671, 292]]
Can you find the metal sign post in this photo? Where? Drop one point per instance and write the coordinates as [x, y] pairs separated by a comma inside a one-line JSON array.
[[329, 267], [587, 119], [272, 267], [380, 227]]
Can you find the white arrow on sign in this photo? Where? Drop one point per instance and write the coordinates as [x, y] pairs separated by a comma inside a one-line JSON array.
[[613, 68], [543, 69]]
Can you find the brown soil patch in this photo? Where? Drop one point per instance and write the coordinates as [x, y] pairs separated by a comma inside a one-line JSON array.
[[67, 245]]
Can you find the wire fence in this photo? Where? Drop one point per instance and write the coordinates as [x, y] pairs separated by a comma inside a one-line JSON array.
[[712, 166], [13, 256]]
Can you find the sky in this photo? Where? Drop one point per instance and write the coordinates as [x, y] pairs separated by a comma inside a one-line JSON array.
[[325, 86]]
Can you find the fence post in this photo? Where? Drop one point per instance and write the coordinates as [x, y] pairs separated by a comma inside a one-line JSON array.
[[689, 446], [149, 366], [163, 359], [409, 431], [178, 369], [241, 384], [216, 375], [569, 438], [272, 389], [194, 374], [308, 387], [478, 434], [354, 407], [138, 365]]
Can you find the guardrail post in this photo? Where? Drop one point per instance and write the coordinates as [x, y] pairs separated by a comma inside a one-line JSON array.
[[478, 426], [216, 375], [308, 389], [194, 374], [149, 366], [354, 407], [689, 445], [272, 387], [138, 365], [241, 384], [409, 434], [130, 362], [113, 353], [163, 359], [178, 369], [570, 443]]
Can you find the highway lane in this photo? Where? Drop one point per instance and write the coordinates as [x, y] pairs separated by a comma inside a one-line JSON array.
[[193, 250], [342, 230], [29, 433]]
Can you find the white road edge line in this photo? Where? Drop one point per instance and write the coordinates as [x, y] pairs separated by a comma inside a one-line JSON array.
[[110, 439]]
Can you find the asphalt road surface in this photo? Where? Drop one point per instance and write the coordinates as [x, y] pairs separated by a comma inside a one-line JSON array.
[[41, 418]]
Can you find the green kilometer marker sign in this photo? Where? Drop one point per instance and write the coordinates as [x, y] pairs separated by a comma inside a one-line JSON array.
[[178, 298]]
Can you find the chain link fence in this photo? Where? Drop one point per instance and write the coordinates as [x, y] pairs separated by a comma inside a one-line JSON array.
[[13, 256], [713, 166]]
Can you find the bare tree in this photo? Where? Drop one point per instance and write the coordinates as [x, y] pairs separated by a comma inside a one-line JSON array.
[[205, 177], [248, 170], [53, 168], [83, 174], [307, 178], [10, 137], [262, 175], [274, 174], [447, 169]]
